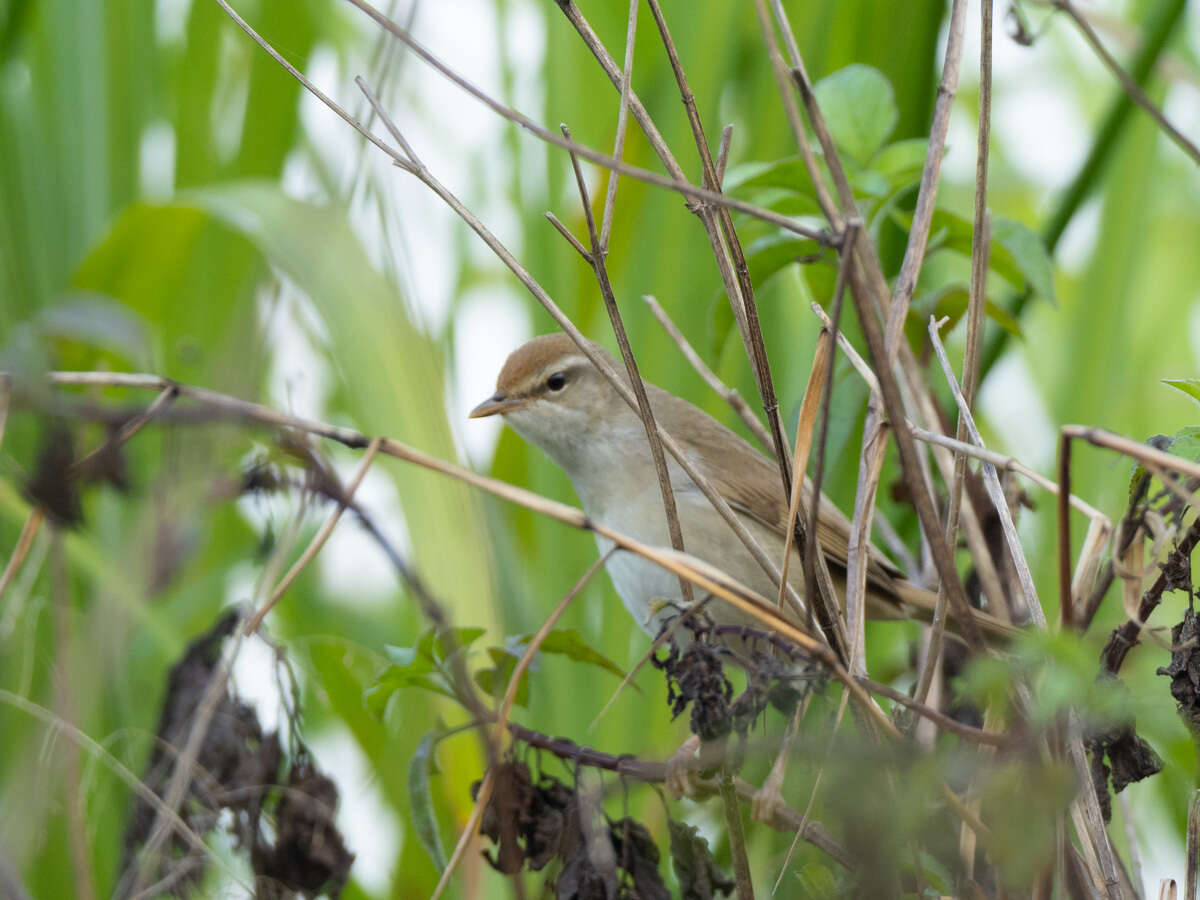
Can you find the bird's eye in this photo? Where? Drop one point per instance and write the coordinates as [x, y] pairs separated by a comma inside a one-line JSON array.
[[557, 381]]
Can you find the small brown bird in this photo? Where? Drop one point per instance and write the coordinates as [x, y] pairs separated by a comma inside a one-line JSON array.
[[552, 395]]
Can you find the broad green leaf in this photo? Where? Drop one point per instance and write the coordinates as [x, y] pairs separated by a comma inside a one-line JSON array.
[[953, 305], [1016, 254], [435, 646], [788, 173], [424, 816], [570, 643], [494, 681], [389, 371], [768, 255], [409, 658], [1028, 253], [860, 109], [1189, 386], [1184, 443], [100, 321], [901, 162], [394, 678], [195, 279]]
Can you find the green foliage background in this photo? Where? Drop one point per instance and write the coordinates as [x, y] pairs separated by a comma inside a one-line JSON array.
[[97, 272]]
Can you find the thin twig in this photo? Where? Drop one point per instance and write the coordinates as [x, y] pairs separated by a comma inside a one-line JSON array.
[[816, 572], [819, 590], [980, 245], [918, 234], [471, 829], [728, 394], [24, 542], [910, 465], [644, 410], [1004, 463], [129, 429], [991, 481], [735, 833], [743, 293], [943, 721], [610, 197], [783, 82], [318, 541], [135, 784], [1064, 532], [1129, 447], [1128, 84], [723, 153], [592, 155]]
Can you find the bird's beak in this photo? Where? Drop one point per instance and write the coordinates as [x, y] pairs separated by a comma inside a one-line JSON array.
[[497, 404]]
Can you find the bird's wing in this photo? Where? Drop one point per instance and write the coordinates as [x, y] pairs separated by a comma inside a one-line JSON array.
[[750, 482]]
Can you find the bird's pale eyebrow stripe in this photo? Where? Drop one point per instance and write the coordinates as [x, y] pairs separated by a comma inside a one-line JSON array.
[[568, 364]]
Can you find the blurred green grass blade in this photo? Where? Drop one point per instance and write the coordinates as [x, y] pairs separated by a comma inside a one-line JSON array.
[[196, 279], [391, 372]]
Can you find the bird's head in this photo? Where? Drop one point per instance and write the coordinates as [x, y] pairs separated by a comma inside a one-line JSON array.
[[552, 395]]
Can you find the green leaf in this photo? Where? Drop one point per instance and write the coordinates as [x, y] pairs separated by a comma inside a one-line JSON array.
[[1189, 386], [388, 369], [495, 680], [1017, 254], [99, 320], [767, 256], [570, 643], [1185, 443], [860, 109], [901, 162], [463, 638], [788, 172], [412, 659], [424, 816], [1028, 253], [953, 305]]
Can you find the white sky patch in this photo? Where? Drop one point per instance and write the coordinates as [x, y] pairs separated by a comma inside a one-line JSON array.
[[491, 324], [1078, 242], [353, 567], [1039, 105], [1161, 847], [372, 832], [298, 378], [1182, 109], [156, 161], [254, 680], [959, 161], [170, 20]]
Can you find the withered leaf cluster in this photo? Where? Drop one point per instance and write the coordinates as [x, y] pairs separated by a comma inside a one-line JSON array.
[[241, 770], [534, 824]]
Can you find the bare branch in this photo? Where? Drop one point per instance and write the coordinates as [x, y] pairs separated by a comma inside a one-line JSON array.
[[1128, 84], [589, 153], [728, 394], [991, 481], [610, 197], [596, 258], [318, 541]]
